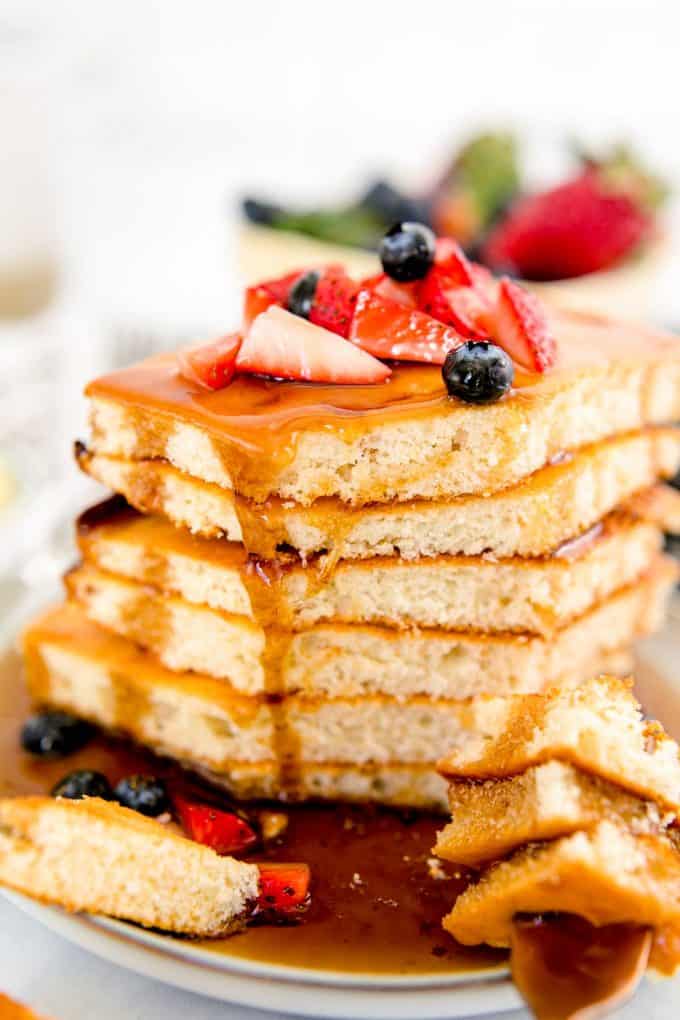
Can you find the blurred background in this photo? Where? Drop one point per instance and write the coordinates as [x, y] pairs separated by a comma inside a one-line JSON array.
[[132, 130]]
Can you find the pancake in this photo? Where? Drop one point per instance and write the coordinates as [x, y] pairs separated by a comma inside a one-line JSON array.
[[353, 660], [496, 816], [608, 875], [598, 727], [477, 593], [532, 518], [399, 440]]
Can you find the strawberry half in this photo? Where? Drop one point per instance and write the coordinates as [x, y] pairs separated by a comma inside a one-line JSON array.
[[284, 888], [403, 293], [211, 365], [334, 301], [388, 329], [522, 328], [260, 296], [224, 831], [286, 346]]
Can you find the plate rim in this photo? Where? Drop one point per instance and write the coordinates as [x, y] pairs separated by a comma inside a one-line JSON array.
[[265, 986]]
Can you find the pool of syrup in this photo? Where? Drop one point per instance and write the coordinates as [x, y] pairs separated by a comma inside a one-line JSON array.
[[378, 896]]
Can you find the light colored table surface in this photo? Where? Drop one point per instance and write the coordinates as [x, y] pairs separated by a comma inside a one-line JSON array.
[[66, 983]]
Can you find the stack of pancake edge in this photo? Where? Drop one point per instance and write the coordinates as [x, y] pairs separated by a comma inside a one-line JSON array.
[[305, 590]]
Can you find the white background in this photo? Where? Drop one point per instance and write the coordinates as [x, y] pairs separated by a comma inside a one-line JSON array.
[[159, 115]]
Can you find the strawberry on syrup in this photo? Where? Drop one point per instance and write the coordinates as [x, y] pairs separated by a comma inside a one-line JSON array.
[[224, 831], [522, 329], [284, 888], [286, 346], [388, 329], [211, 365]]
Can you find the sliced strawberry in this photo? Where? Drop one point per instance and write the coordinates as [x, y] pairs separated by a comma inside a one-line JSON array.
[[334, 301], [404, 293], [387, 329], [223, 831], [286, 346], [461, 307], [260, 296], [284, 888], [211, 365], [522, 328], [451, 261]]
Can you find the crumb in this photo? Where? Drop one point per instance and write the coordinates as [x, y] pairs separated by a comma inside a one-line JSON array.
[[357, 880], [435, 869], [273, 824]]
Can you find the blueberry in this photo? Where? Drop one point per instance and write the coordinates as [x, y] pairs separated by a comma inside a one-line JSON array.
[[301, 296], [83, 783], [392, 205], [264, 213], [478, 372], [144, 794], [407, 251], [54, 734]]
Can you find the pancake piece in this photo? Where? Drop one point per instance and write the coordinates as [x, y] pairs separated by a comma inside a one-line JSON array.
[[607, 875], [477, 593], [352, 660], [599, 727], [403, 439], [531, 519], [496, 816], [99, 857]]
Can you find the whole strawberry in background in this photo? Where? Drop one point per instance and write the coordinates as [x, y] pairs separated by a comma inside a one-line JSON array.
[[600, 217]]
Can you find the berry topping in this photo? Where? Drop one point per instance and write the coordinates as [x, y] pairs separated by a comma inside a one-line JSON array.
[[479, 372], [83, 783], [463, 307], [54, 734], [302, 294], [334, 301], [388, 329], [287, 347], [577, 228], [144, 794], [211, 365], [407, 251], [522, 328], [224, 831], [272, 292], [284, 888], [452, 263]]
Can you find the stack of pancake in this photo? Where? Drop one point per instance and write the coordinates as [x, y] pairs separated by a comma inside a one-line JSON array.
[[318, 590]]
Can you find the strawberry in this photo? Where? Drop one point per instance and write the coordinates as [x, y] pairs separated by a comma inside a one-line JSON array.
[[388, 329], [577, 228], [451, 261], [260, 296], [464, 307], [385, 286], [223, 831], [284, 888], [334, 300], [522, 329], [211, 365], [286, 346]]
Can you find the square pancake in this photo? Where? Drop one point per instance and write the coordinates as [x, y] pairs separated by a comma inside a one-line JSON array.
[[403, 439], [532, 596], [532, 518], [354, 660]]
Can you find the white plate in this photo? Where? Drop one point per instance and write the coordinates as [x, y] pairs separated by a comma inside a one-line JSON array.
[[312, 993], [319, 993]]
